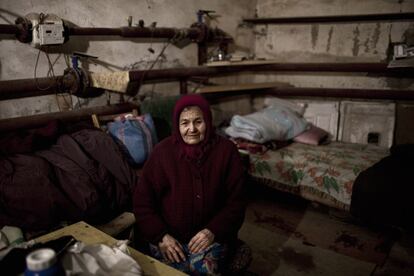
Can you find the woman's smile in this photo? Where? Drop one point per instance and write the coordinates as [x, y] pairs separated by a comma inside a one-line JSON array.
[[192, 126]]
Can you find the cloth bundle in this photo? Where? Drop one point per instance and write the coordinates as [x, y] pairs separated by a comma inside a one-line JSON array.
[[276, 122], [100, 259], [136, 135]]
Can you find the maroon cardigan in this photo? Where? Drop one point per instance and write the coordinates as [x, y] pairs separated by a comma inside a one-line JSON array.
[[180, 197]]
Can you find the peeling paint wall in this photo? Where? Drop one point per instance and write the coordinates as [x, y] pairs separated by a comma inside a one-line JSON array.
[[332, 42], [336, 42], [18, 60], [327, 42]]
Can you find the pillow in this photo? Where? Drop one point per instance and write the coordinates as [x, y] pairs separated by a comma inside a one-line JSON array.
[[313, 136]]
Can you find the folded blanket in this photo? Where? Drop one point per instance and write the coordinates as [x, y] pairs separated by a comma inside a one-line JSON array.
[[272, 123]]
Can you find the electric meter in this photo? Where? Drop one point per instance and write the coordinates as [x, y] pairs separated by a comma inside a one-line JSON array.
[[47, 29]]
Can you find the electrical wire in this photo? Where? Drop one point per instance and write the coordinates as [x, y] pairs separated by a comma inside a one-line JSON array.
[[59, 92], [50, 72], [155, 62]]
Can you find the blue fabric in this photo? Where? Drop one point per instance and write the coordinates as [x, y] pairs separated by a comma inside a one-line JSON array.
[[136, 134], [208, 262], [54, 270]]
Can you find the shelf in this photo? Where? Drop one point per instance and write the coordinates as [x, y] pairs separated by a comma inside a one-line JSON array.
[[236, 87]]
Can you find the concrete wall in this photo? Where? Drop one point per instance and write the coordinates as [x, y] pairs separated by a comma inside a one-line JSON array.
[[18, 60], [337, 42], [328, 42], [332, 42]]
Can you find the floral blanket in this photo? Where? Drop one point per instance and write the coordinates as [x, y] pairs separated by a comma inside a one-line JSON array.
[[323, 173]]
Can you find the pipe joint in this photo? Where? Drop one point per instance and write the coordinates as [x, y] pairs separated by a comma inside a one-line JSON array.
[[203, 32], [75, 81], [24, 30]]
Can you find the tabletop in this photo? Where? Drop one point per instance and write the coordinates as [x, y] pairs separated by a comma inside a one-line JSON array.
[[90, 235]]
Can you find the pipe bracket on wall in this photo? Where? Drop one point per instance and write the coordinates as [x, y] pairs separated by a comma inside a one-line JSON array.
[[75, 81]]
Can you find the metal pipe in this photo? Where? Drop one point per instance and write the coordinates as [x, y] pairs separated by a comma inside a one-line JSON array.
[[183, 86], [94, 31], [8, 29], [202, 53], [176, 73], [332, 18], [379, 94], [191, 33], [196, 34], [65, 116], [13, 89]]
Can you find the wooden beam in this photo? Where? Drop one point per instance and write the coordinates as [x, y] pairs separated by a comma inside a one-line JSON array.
[[65, 116], [237, 87]]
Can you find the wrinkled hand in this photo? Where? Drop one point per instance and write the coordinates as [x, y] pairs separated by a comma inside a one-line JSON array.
[[201, 241], [171, 249]]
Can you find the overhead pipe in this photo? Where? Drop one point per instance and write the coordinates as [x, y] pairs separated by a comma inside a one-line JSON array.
[[143, 32], [332, 18], [176, 73], [64, 116], [22, 88], [377, 94], [9, 29], [196, 33], [13, 89]]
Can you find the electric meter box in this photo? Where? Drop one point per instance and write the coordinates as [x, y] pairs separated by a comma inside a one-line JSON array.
[[51, 34], [47, 29]]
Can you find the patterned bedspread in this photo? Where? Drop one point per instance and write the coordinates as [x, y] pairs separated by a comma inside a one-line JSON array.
[[323, 174]]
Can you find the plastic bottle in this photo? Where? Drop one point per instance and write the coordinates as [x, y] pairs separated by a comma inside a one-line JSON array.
[[42, 262]]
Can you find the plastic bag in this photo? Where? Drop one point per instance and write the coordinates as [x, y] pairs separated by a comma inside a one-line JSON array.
[[136, 134], [100, 259]]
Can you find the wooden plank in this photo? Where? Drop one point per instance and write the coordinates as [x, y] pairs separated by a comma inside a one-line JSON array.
[[238, 87], [239, 62], [90, 235], [118, 224]]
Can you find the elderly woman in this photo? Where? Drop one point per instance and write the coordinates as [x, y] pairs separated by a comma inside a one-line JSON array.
[[190, 203]]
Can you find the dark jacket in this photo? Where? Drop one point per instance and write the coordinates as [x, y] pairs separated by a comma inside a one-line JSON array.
[[181, 197], [383, 193], [83, 176]]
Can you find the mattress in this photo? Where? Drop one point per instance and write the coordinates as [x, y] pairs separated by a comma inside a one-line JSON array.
[[323, 174]]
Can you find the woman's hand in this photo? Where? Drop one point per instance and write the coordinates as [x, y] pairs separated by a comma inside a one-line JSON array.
[[171, 249], [201, 241]]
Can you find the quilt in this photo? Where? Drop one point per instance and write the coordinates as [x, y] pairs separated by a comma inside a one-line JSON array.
[[324, 173]]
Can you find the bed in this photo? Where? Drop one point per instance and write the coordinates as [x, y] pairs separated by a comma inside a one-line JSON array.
[[323, 174]]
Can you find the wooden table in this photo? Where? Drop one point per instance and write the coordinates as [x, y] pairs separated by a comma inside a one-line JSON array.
[[90, 235]]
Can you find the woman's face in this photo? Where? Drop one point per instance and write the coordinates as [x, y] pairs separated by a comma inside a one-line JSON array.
[[192, 126]]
